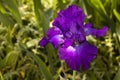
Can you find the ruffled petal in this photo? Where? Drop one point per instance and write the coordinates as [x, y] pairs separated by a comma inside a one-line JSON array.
[[87, 53], [56, 40], [70, 17], [43, 42], [73, 13], [71, 58], [63, 24], [79, 56], [96, 32]]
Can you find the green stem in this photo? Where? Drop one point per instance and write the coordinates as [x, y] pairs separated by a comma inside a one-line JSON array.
[[74, 74]]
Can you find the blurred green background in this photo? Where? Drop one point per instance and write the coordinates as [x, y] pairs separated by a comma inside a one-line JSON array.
[[24, 22]]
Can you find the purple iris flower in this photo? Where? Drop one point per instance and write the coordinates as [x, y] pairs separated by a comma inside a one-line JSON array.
[[69, 34]]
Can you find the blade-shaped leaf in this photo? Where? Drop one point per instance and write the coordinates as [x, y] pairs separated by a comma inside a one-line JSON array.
[[2, 9], [11, 58], [117, 15], [40, 16], [6, 20], [43, 22], [97, 4], [1, 77], [13, 8]]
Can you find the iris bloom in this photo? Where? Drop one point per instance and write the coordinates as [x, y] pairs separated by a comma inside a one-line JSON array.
[[69, 34]]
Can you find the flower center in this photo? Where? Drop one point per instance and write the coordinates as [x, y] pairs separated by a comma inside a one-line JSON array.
[[76, 43]]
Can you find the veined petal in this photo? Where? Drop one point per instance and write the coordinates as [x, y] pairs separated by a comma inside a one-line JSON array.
[[56, 40], [71, 58], [79, 56], [96, 32], [43, 42], [87, 53]]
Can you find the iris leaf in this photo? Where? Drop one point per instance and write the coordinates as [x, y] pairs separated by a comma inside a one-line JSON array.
[[97, 4], [1, 77], [6, 20], [117, 15], [13, 8], [43, 22]]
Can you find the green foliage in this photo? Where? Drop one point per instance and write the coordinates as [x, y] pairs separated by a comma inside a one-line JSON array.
[[116, 14], [117, 77], [24, 22], [10, 8], [43, 68]]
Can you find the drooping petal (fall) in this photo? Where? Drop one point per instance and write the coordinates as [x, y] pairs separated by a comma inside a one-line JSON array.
[[43, 42], [70, 56], [53, 31], [96, 32], [88, 53], [56, 40], [54, 36], [78, 56]]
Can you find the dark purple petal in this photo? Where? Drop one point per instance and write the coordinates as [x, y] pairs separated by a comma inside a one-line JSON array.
[[63, 24], [88, 25], [73, 13], [87, 53], [81, 36], [70, 17], [76, 34], [79, 56], [53, 31], [43, 42], [96, 32], [68, 42], [56, 40]]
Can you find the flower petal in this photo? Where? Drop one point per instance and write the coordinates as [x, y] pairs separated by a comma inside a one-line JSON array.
[[43, 42], [96, 32], [71, 58], [79, 56], [87, 53], [68, 42], [54, 36], [53, 31], [56, 40], [63, 24], [66, 18], [88, 25], [74, 13]]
